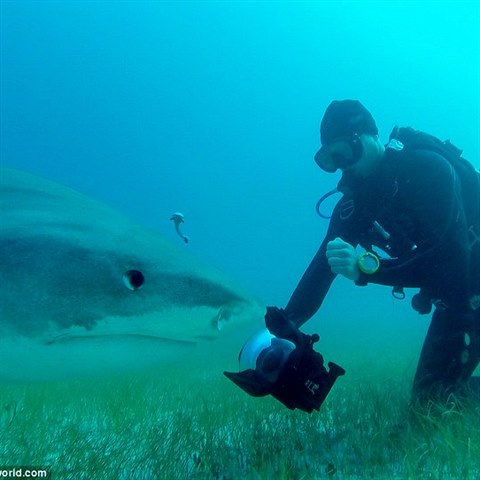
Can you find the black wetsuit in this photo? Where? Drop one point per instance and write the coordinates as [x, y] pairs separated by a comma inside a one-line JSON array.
[[411, 208]]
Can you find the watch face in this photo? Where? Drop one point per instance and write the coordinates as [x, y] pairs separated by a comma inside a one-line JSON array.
[[368, 263]]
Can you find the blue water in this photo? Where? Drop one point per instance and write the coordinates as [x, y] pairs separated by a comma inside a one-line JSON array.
[[213, 109]]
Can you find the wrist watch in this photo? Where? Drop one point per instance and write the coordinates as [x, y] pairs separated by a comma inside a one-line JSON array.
[[368, 263]]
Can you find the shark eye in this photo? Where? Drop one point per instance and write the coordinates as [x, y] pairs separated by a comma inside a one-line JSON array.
[[133, 279]]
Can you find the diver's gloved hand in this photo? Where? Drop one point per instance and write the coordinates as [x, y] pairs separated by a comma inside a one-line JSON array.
[[279, 325]]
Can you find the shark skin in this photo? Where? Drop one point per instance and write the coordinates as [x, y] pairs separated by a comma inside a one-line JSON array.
[[66, 310]]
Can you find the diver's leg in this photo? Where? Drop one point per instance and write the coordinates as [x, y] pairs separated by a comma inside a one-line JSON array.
[[474, 381], [450, 354]]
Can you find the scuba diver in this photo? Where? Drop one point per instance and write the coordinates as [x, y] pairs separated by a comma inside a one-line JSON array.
[[413, 206]]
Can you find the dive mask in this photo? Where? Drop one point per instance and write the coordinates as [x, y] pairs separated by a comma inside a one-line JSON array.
[[343, 153]]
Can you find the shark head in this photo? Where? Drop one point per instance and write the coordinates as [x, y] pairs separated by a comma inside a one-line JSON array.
[[86, 291]]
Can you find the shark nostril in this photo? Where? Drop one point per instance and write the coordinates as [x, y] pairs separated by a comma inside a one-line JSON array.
[[133, 279]]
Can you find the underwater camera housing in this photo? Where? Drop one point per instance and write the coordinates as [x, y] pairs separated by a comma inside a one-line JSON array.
[[288, 368]]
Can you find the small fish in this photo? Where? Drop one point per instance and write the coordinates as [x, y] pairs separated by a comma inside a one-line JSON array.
[[178, 219]]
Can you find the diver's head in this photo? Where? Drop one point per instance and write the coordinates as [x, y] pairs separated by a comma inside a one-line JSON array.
[[349, 137]]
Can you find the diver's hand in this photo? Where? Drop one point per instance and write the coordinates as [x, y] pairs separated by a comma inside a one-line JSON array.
[[279, 325], [342, 259]]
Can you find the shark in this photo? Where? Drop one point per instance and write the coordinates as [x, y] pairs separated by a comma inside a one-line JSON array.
[[86, 291]]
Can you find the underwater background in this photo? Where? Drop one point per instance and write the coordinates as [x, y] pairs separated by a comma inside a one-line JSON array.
[[213, 109]]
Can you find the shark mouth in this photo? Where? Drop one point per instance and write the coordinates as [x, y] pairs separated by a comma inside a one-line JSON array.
[[68, 338]]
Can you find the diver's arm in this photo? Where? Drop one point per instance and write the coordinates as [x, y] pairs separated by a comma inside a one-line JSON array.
[[310, 292]]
